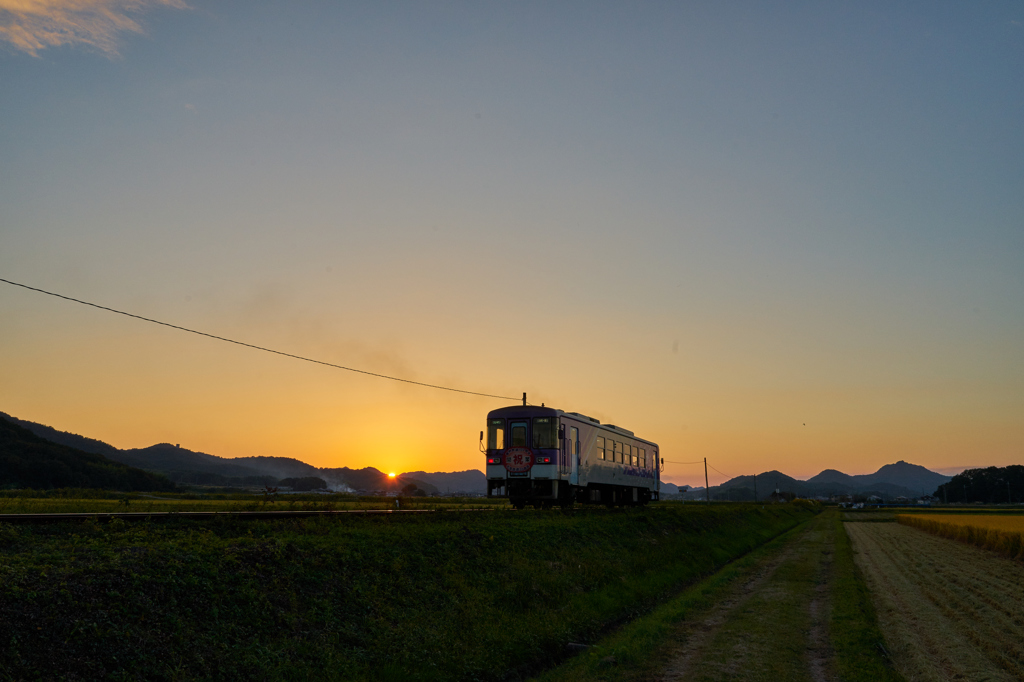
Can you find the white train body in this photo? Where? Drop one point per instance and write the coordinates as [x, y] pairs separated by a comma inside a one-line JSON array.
[[544, 456]]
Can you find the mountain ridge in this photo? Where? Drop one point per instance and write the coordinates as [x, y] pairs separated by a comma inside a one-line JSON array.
[[899, 479], [30, 461], [186, 466]]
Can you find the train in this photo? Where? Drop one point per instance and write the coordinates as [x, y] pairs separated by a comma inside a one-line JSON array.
[[544, 457]]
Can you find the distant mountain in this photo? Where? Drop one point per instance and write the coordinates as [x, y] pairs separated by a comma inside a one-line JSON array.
[[63, 437], [282, 467], [28, 461], [369, 479], [197, 468], [172, 458], [914, 477], [470, 481], [673, 490], [900, 479]]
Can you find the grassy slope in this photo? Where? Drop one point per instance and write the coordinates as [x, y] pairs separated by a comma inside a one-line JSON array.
[[490, 595], [643, 648]]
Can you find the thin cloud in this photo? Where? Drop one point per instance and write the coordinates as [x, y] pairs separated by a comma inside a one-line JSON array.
[[34, 25]]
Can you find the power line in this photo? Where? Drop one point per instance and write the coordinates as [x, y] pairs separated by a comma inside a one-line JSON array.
[[249, 345], [726, 475], [668, 461]]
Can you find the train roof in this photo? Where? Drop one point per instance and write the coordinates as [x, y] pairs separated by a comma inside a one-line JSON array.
[[525, 411]]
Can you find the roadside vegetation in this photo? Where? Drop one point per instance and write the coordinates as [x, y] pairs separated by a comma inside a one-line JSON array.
[[948, 611], [1002, 534], [480, 596]]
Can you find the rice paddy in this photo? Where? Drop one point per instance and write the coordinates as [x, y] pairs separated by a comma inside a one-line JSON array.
[[1000, 533]]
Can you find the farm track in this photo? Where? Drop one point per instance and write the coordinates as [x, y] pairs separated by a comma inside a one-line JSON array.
[[949, 611], [771, 626]]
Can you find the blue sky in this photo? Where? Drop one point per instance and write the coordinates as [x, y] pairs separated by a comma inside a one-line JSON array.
[[708, 222]]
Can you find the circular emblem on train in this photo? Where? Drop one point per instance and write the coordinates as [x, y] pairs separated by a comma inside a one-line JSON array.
[[518, 460]]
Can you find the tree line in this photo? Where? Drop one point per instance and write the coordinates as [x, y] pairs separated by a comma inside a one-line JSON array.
[[991, 485]]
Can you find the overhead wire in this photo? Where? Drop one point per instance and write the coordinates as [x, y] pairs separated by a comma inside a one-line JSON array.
[[255, 347], [724, 474]]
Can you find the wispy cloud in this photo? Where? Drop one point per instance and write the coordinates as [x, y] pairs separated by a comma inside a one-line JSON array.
[[34, 25]]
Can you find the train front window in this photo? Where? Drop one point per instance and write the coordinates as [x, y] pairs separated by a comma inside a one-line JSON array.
[[517, 435], [545, 432], [496, 434]]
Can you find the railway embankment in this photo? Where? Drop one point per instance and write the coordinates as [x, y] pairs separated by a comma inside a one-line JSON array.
[[489, 596]]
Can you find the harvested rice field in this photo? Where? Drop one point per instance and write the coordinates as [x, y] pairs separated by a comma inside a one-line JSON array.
[[949, 611]]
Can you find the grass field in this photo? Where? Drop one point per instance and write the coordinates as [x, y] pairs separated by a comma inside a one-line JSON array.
[[1000, 533], [949, 611], [492, 596], [102, 502]]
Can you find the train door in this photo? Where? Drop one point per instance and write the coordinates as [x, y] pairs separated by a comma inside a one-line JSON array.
[[574, 456]]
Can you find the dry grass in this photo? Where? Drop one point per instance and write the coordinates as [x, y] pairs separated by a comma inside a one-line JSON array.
[[948, 611], [1003, 533]]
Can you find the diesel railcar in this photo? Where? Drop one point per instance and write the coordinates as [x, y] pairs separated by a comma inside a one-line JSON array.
[[544, 457]]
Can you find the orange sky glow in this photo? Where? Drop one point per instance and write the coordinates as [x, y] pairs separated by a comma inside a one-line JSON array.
[[782, 237]]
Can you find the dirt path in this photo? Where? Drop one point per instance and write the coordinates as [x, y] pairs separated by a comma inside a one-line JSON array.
[[772, 626], [949, 611]]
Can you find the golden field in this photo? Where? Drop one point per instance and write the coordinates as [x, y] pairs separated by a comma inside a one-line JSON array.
[[999, 533]]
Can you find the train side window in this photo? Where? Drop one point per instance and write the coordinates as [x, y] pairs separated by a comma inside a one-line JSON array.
[[633, 455], [600, 447], [517, 433], [643, 458], [616, 451], [496, 434]]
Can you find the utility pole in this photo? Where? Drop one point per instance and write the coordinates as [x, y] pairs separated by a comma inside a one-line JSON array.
[[707, 490], [755, 487]]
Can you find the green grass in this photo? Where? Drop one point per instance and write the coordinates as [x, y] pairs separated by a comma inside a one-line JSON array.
[[106, 502], [450, 596], [643, 648], [857, 640]]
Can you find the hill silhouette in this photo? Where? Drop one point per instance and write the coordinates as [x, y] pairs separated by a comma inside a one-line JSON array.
[[188, 467], [900, 479], [185, 466], [28, 461]]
